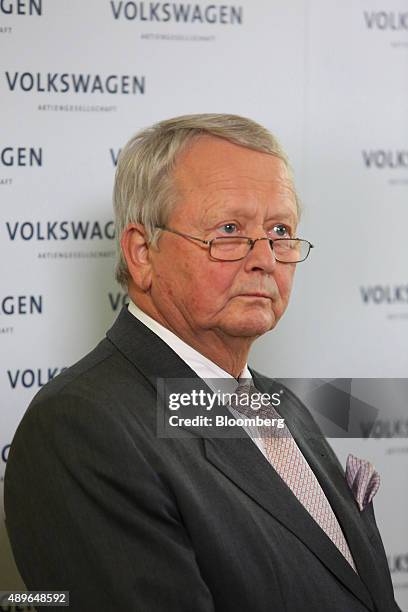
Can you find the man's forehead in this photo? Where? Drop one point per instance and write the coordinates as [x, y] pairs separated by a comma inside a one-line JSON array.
[[221, 174], [209, 157]]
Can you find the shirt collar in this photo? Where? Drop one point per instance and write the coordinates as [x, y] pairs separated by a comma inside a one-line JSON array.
[[201, 365]]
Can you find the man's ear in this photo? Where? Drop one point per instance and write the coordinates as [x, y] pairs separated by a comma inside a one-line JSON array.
[[135, 250]]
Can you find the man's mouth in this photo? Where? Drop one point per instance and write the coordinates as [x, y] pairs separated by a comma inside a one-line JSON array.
[[256, 294]]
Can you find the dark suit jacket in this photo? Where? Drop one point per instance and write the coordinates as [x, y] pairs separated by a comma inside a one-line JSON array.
[[97, 504]]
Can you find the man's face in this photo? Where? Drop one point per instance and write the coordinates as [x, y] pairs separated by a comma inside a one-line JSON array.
[[225, 190]]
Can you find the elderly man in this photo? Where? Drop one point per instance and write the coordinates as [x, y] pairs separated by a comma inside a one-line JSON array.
[[102, 504]]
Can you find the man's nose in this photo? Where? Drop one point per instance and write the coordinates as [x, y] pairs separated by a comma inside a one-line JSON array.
[[261, 256]]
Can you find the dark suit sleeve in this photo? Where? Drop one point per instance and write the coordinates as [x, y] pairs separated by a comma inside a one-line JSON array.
[[87, 511]]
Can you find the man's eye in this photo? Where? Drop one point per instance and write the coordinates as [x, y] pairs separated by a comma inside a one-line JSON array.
[[228, 228], [281, 231]]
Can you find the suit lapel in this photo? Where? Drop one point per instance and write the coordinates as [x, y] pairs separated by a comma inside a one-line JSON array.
[[328, 471], [152, 357], [242, 462], [333, 483]]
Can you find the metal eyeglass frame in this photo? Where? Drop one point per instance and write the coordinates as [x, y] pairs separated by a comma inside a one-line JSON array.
[[251, 243]]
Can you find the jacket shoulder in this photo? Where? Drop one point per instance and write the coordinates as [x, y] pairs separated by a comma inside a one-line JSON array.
[[102, 378]]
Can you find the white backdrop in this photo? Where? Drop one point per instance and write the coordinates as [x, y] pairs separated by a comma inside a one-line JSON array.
[[329, 78]]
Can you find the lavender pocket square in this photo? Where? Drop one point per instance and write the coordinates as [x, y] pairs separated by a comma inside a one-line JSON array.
[[362, 479]]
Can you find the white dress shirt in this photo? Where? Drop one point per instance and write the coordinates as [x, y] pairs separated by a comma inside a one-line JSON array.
[[201, 365]]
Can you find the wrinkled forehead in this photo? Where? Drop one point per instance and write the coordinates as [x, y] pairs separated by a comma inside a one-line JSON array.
[[213, 174]]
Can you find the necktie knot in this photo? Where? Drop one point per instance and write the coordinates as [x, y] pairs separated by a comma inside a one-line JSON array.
[[256, 406], [242, 398]]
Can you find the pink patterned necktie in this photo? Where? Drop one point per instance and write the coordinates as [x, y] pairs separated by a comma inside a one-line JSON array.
[[285, 457]]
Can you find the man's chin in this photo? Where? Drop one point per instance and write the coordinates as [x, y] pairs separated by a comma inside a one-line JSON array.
[[250, 328]]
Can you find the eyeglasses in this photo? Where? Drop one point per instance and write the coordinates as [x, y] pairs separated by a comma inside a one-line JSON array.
[[234, 248]]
